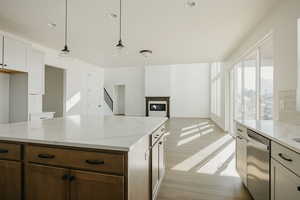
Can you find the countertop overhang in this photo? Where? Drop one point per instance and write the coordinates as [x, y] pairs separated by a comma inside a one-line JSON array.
[[118, 133], [281, 132]]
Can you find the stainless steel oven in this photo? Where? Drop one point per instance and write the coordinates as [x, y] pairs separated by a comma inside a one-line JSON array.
[[258, 166]]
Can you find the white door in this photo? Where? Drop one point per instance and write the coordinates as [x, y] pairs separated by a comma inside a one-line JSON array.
[[285, 185], [15, 53], [94, 94], [36, 79], [1, 51]]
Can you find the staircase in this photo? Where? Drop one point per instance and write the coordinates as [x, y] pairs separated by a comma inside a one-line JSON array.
[[108, 100]]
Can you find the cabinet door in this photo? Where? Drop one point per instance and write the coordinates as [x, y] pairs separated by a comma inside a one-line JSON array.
[[241, 158], [96, 186], [36, 79], [46, 183], [15, 53], [285, 185], [1, 51], [10, 180], [161, 163], [155, 167]]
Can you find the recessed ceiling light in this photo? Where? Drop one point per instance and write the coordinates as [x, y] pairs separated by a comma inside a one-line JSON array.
[[191, 3], [52, 25]]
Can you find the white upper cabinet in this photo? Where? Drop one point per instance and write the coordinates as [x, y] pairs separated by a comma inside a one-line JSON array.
[[1, 51], [36, 69], [15, 53]]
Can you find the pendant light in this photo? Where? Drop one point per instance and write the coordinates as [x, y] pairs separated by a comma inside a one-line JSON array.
[[146, 53], [120, 46], [66, 51]]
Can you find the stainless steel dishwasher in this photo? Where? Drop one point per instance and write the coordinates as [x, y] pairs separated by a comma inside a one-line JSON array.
[[258, 166]]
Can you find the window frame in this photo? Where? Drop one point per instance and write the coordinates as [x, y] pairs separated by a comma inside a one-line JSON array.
[[240, 63]]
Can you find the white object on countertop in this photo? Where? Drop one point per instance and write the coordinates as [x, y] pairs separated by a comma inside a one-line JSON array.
[[280, 132], [41, 116], [98, 132]]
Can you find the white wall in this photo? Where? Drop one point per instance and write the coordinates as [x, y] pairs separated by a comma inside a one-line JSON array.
[[158, 81], [187, 84], [4, 98], [18, 97], [134, 80], [190, 90], [282, 21]]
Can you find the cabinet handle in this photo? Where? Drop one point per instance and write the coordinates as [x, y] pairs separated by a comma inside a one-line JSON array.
[[46, 156], [239, 137], [285, 158], [72, 178], [65, 177], [3, 151], [1, 64], [95, 162]]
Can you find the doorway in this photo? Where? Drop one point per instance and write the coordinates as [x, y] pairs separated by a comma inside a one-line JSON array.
[[53, 100], [119, 104], [94, 94]]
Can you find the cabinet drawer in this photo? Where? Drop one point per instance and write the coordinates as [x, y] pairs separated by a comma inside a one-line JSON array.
[[102, 162], [241, 130], [287, 157], [10, 151]]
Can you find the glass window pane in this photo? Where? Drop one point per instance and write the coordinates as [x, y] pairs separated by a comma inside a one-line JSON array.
[[249, 90], [266, 91], [238, 115]]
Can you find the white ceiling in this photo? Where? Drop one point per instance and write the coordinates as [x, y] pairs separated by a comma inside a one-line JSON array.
[[175, 32]]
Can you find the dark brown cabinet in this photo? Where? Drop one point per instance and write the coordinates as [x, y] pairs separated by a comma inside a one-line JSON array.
[[47, 183], [10, 180], [95, 186]]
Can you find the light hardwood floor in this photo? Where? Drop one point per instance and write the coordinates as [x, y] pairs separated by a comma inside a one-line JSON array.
[[200, 162]]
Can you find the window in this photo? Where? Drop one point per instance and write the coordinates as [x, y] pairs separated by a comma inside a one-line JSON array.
[[253, 84], [249, 89], [266, 82], [216, 89]]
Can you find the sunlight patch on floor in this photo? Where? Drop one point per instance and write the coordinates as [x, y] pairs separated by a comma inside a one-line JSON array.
[[203, 154], [194, 126], [221, 162], [194, 137]]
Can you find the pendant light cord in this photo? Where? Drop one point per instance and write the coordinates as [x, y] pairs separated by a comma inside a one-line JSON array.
[[120, 20], [66, 24]]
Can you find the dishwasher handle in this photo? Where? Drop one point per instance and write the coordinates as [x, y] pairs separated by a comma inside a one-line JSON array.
[[258, 138]]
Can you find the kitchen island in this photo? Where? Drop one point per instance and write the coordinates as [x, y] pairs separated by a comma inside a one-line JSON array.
[[78, 157]]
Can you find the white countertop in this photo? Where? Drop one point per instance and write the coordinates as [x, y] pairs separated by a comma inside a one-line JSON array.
[[98, 132], [280, 132]]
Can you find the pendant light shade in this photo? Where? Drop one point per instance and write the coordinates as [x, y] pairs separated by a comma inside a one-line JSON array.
[[66, 51]]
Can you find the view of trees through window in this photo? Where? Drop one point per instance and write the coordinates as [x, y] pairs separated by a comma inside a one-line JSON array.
[[253, 84]]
